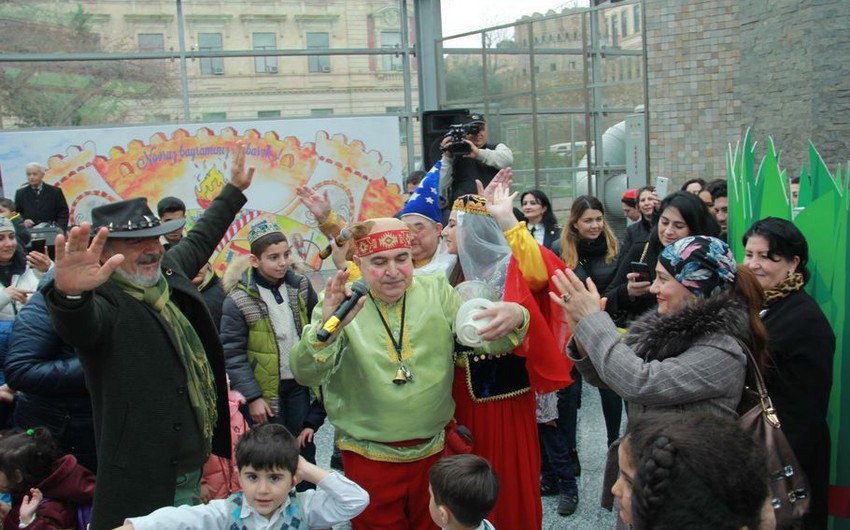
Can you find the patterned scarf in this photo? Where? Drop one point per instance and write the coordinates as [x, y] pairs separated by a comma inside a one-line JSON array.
[[791, 284], [199, 377]]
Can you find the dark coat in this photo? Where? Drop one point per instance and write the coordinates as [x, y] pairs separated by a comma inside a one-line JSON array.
[[635, 233], [799, 379], [145, 427], [48, 206], [595, 267], [552, 240], [214, 296]]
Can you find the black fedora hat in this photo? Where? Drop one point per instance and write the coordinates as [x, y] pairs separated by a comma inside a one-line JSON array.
[[132, 219]]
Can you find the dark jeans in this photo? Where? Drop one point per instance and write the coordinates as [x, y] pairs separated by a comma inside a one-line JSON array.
[[72, 427], [555, 462], [612, 409], [569, 401]]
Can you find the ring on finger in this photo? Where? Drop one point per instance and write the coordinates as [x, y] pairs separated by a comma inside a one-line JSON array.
[[566, 297]]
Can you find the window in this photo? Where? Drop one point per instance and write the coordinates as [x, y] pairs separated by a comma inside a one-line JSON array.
[[151, 42], [553, 67], [265, 65], [321, 112], [614, 30], [624, 24], [391, 40], [402, 128], [211, 42], [636, 17], [318, 63], [268, 114], [214, 116]]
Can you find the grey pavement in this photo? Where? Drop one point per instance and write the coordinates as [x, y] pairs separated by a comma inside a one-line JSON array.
[[591, 448]]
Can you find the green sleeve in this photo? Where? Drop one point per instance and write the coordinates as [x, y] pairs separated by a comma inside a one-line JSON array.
[[312, 361]]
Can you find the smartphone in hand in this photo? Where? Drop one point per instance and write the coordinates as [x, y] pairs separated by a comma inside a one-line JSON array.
[[39, 245], [642, 269], [661, 185]]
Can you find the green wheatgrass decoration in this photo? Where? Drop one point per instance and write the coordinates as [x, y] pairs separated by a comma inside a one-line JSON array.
[[825, 204]]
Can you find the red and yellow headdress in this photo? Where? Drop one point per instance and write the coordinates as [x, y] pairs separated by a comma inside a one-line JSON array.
[[471, 204], [384, 233]]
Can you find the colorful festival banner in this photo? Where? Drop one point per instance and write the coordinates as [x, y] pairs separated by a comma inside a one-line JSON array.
[[355, 160], [822, 216]]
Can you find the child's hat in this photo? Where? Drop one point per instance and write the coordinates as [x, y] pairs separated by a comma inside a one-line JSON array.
[[261, 229]]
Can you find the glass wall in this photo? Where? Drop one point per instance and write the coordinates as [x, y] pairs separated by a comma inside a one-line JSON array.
[[551, 86], [107, 62]]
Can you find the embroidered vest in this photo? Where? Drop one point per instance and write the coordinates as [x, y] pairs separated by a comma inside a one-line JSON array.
[[493, 377], [291, 518]]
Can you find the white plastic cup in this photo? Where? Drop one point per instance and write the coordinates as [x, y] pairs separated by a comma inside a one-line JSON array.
[[466, 328]]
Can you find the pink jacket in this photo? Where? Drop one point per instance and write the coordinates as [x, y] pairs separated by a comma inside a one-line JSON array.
[[221, 477]]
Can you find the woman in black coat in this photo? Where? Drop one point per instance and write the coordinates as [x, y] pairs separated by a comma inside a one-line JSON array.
[[682, 214], [801, 346], [589, 247]]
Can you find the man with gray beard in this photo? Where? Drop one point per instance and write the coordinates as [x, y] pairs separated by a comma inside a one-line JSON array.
[[151, 353]]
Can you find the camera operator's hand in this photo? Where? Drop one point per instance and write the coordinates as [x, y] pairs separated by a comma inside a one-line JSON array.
[[473, 149], [445, 146]]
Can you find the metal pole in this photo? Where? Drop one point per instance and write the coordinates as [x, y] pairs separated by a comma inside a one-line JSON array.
[[184, 72]]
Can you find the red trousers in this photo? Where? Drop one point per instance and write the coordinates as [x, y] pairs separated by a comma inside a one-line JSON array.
[[398, 492]]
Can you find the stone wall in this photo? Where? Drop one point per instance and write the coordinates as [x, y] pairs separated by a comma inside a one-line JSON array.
[[716, 67], [693, 58]]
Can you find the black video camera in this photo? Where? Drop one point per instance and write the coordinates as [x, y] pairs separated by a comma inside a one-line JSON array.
[[458, 133]]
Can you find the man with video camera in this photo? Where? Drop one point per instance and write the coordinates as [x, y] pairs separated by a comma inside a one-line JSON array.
[[468, 157]]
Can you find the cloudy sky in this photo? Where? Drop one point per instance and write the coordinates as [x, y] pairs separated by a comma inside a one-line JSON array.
[[461, 16]]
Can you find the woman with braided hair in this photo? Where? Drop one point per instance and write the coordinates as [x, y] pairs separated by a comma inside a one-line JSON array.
[[698, 471]]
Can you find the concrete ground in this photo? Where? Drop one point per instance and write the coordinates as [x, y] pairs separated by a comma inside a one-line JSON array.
[[591, 447]]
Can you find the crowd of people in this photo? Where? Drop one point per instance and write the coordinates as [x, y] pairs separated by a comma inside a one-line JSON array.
[[139, 384]]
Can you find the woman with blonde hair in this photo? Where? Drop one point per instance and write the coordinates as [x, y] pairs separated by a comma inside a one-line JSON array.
[[589, 248]]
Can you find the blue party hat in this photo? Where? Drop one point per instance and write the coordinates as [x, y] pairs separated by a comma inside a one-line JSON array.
[[425, 201]]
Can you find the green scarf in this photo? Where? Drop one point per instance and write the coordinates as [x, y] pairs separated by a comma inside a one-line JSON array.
[[199, 378]]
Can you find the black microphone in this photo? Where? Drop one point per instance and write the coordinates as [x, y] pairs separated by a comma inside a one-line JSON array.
[[344, 235], [358, 289]]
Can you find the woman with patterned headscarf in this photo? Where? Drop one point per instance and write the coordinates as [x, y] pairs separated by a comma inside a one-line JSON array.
[[688, 356]]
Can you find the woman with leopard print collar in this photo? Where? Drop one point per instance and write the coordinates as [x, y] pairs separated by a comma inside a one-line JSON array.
[[801, 344]]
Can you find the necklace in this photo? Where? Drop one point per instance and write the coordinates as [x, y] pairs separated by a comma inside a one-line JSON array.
[[403, 373]]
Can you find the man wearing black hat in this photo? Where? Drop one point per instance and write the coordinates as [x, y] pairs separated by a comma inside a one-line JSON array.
[[151, 354], [459, 172]]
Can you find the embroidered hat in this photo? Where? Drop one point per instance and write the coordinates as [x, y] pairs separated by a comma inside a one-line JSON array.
[[261, 229], [471, 204], [703, 264], [6, 225], [132, 219], [385, 233], [425, 201], [630, 197]]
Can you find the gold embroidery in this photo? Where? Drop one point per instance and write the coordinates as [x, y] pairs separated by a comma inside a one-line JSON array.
[[467, 369]]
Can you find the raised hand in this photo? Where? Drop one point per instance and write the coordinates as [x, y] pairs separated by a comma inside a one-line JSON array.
[[319, 205], [505, 177], [239, 177], [501, 207], [576, 299], [29, 505], [78, 268]]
